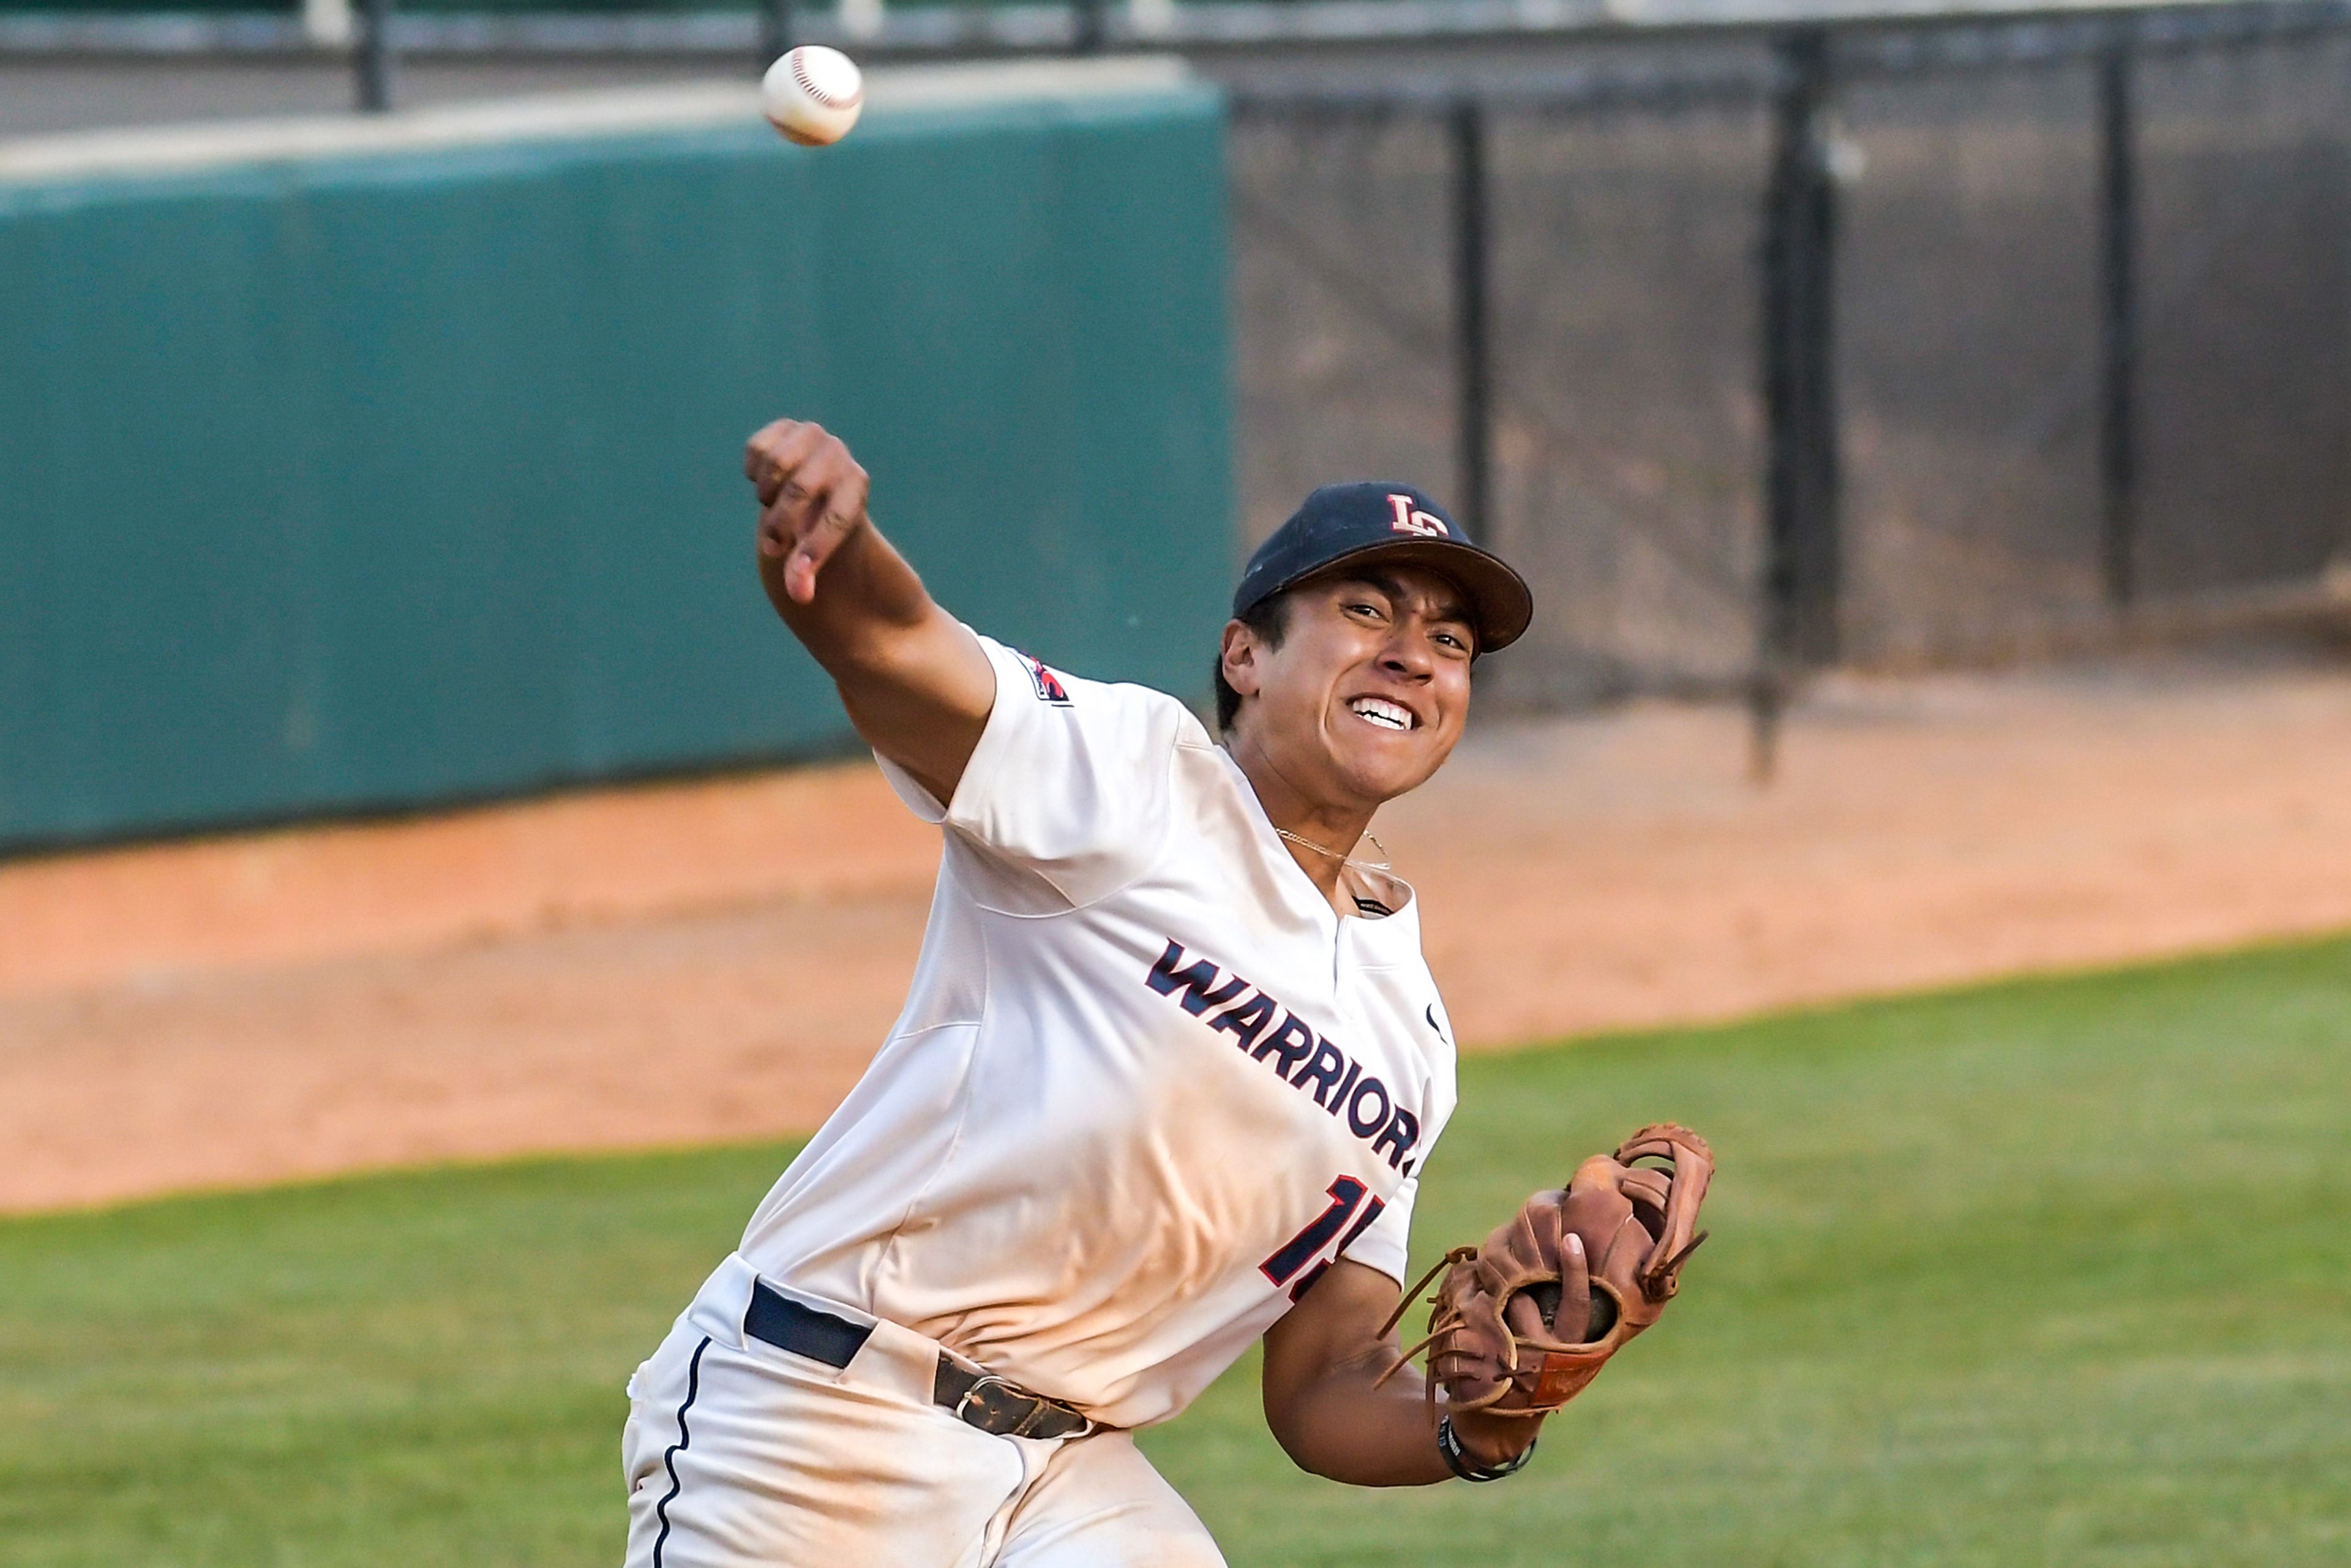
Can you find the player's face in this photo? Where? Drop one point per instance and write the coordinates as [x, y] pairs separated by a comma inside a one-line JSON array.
[[1369, 690]]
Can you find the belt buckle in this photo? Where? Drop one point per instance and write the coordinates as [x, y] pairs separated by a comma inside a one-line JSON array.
[[995, 1415], [987, 1384]]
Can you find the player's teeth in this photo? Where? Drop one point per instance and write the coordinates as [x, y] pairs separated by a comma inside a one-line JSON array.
[[1382, 713]]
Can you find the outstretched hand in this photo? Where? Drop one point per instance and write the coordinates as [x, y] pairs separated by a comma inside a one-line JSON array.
[[812, 497], [915, 680]]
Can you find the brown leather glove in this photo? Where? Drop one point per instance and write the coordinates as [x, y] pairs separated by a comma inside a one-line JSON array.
[[1521, 1323]]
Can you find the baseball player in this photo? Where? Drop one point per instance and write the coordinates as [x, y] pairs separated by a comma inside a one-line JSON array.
[[1169, 1068]]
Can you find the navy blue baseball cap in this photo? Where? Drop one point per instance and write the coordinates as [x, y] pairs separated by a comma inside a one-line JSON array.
[[1371, 520]]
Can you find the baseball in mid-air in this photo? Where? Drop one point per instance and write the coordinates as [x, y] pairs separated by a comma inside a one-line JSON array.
[[812, 95]]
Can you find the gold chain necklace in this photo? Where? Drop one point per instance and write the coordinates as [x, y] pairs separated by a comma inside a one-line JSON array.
[[1334, 854]]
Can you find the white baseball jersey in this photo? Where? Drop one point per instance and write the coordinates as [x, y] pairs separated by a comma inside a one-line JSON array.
[[1147, 1082]]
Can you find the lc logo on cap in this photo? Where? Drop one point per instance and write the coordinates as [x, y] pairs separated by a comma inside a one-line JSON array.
[[1411, 520], [1369, 520]]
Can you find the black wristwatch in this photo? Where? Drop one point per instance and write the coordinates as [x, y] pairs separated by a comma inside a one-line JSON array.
[[1448, 1443]]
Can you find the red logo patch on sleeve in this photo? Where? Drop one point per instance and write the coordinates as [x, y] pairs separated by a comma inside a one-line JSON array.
[[1048, 685]]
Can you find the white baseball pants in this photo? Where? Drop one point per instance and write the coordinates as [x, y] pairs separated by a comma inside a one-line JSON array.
[[740, 1454]]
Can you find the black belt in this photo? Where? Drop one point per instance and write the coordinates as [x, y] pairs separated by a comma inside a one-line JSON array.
[[976, 1398]]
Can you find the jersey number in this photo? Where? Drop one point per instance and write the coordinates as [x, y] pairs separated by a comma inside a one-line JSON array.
[[1347, 1197]]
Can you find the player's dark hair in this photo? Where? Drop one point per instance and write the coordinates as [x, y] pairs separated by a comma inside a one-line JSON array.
[[1270, 619]]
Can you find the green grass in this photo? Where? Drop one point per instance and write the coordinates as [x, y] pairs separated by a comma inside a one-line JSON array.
[[2054, 1271]]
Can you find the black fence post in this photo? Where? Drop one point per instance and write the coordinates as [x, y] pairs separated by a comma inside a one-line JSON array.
[[1802, 565], [1473, 410], [372, 62], [778, 23], [1089, 25], [2118, 324]]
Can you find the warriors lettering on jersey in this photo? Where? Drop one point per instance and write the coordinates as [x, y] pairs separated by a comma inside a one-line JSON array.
[[1269, 1032]]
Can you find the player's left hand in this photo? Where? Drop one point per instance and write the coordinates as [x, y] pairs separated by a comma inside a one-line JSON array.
[[1524, 1322]]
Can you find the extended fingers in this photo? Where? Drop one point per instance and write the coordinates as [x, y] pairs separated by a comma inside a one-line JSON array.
[[835, 485], [812, 494], [772, 456], [796, 463], [827, 488], [758, 452], [816, 544]]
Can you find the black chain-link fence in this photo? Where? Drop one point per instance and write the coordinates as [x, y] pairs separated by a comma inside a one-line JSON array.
[[2245, 333], [2086, 354]]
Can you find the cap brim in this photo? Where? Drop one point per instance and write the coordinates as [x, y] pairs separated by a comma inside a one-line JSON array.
[[1499, 597]]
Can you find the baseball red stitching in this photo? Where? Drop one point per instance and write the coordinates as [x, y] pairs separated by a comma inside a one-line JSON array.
[[800, 75]]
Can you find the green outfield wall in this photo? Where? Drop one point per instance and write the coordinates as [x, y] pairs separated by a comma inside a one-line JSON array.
[[348, 483]]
